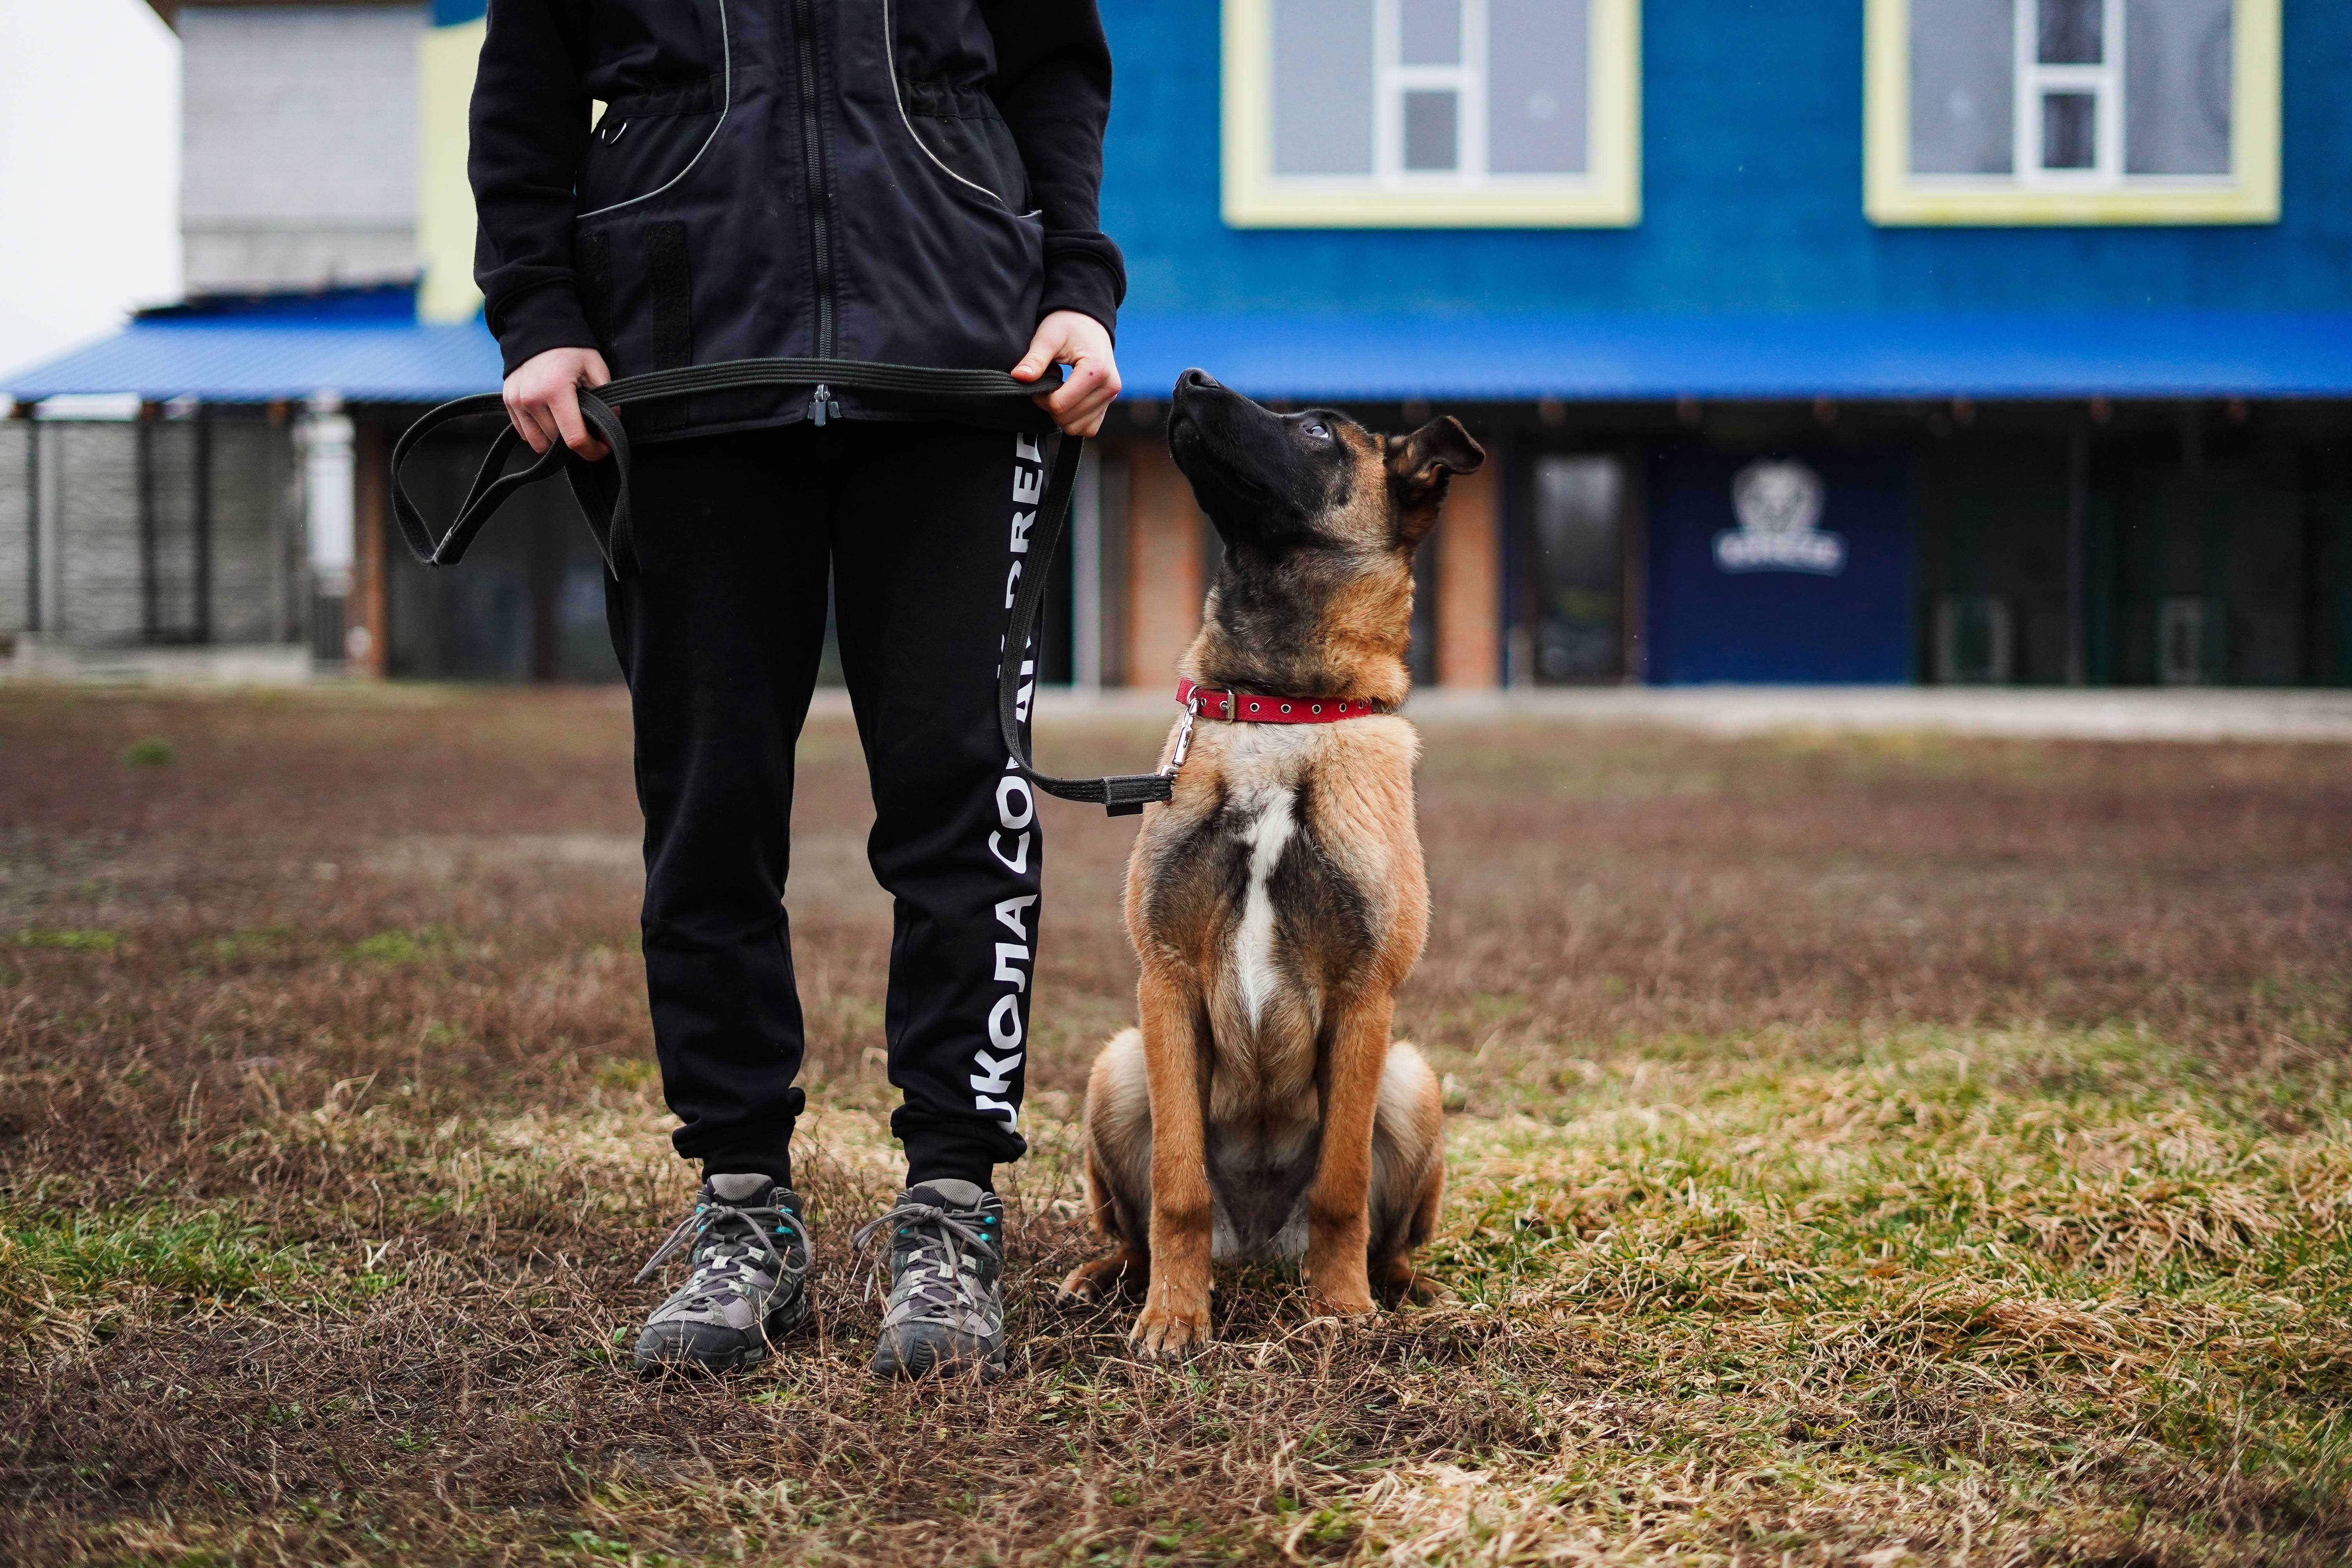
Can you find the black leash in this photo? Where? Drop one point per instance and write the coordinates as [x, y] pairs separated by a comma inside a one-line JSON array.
[[603, 496]]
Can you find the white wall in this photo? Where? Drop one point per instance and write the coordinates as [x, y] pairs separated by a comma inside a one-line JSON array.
[[300, 144], [90, 168]]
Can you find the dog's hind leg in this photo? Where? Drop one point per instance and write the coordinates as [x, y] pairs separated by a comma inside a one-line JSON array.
[[1119, 1169], [1125, 1271], [1408, 1174]]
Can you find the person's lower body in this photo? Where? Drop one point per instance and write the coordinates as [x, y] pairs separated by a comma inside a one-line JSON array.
[[919, 529]]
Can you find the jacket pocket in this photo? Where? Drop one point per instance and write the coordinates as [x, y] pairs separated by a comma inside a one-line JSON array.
[[646, 143], [960, 128]]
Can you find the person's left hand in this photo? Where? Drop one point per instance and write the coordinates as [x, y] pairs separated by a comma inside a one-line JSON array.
[[1080, 342]]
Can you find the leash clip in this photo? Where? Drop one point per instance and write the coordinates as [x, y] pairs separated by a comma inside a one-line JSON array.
[[1183, 737]]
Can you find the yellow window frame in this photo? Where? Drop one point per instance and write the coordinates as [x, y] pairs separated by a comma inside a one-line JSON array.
[[1609, 195], [446, 58], [1893, 196]]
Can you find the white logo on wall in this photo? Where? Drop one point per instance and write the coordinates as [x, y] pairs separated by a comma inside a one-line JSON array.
[[1778, 505]]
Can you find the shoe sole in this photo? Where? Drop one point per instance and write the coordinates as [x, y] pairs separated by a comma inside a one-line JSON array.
[[673, 1359], [685, 1362], [925, 1361]]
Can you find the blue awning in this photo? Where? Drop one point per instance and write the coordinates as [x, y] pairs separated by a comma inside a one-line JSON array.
[[231, 358], [1652, 358]]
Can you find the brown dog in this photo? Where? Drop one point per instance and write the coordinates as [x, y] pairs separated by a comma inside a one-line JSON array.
[[1278, 900]]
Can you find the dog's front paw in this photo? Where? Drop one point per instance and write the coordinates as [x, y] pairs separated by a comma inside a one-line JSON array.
[[1163, 1333], [1341, 1288], [1343, 1303]]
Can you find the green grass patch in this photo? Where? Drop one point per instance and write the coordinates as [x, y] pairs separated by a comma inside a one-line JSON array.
[[2077, 1229], [72, 941], [271, 942], [82, 1272], [394, 948]]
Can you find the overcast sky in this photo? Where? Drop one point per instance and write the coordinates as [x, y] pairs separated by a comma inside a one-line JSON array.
[[90, 171]]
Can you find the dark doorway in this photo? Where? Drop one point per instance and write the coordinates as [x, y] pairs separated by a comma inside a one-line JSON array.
[[1569, 584], [528, 605]]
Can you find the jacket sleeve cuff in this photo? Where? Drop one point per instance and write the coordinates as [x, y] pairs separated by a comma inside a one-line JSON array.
[[547, 317], [1084, 273]]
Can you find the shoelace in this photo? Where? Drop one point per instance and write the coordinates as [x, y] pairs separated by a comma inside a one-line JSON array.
[[724, 1255], [943, 1290]]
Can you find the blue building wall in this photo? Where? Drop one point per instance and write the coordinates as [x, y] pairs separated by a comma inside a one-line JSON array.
[[1752, 153], [1852, 626]]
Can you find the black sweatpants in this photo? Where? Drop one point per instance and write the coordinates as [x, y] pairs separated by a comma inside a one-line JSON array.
[[720, 631]]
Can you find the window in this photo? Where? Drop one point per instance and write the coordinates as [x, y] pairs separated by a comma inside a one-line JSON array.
[[2074, 111], [1381, 114]]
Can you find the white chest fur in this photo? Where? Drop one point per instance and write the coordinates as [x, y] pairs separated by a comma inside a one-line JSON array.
[[1270, 814]]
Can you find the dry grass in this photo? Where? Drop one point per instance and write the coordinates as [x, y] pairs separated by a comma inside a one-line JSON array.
[[1873, 1152]]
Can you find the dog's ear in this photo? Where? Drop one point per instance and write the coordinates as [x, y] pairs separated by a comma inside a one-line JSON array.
[[1422, 461], [1420, 464]]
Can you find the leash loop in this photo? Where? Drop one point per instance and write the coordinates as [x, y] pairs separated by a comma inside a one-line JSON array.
[[603, 491]]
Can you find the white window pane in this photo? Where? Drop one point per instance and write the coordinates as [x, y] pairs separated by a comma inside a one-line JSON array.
[[1431, 31], [2070, 130], [1323, 86], [1537, 73], [1963, 69], [1432, 139], [2177, 87], [2071, 33]]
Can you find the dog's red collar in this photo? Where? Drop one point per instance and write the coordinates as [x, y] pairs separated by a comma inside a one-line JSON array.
[[1253, 707]]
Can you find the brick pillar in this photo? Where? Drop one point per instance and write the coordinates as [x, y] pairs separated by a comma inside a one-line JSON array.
[[1165, 585], [1469, 546], [366, 609]]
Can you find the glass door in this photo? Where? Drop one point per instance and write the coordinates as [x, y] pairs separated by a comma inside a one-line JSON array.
[[1571, 568]]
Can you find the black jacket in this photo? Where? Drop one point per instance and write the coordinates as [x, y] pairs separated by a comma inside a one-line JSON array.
[[906, 181]]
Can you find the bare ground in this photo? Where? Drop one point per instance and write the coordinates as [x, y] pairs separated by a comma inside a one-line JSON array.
[[1871, 1149]]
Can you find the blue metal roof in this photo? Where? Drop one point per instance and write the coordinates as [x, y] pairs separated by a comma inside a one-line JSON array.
[[339, 304], [246, 359], [232, 359], [1638, 358]]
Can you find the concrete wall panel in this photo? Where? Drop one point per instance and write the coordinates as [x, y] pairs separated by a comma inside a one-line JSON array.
[[300, 144], [16, 515], [99, 602]]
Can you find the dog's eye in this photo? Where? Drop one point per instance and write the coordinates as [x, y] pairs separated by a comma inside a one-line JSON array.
[[1318, 429]]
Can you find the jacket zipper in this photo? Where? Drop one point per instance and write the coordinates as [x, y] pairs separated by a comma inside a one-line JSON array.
[[820, 193]]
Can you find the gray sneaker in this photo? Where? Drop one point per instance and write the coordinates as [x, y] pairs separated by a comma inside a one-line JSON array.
[[747, 1286], [946, 1310]]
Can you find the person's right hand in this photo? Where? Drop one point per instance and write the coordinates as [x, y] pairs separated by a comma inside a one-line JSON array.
[[543, 399]]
